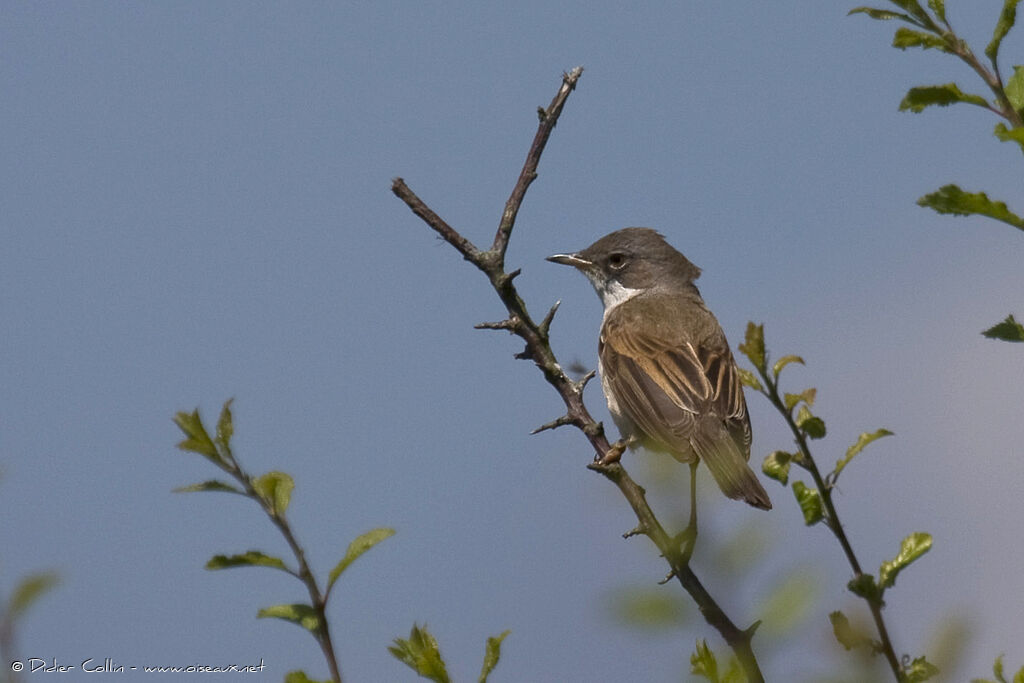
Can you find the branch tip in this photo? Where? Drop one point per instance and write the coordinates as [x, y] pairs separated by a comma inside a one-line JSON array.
[[507, 324]]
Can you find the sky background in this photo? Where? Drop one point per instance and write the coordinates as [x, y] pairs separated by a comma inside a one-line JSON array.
[[195, 205]]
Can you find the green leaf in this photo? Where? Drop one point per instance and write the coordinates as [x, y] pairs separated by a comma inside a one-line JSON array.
[[919, 670], [225, 426], [276, 489], [913, 546], [862, 441], [196, 438], [776, 466], [1006, 20], [491, 655], [421, 653], [879, 13], [917, 99], [952, 200], [848, 636], [300, 677], [648, 608], [29, 590], [905, 38], [1009, 330], [783, 362], [812, 426], [810, 503], [297, 613], [807, 396], [865, 587], [703, 663], [356, 548], [1014, 88], [252, 558], [747, 378], [939, 7], [1010, 134], [753, 346], [211, 485]]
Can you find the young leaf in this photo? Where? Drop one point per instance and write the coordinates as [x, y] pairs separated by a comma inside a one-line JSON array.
[[776, 466], [491, 655], [862, 441], [357, 548], [911, 6], [1014, 88], [252, 558], [917, 99], [703, 663], [783, 362], [299, 677], [951, 199], [225, 426], [812, 426], [1006, 20], [421, 653], [211, 485], [276, 489], [919, 670], [1008, 330], [905, 38], [879, 13], [298, 613], [1010, 134], [749, 379], [28, 590], [810, 503], [939, 7], [807, 396], [913, 546], [196, 438], [753, 346], [845, 633], [864, 586]]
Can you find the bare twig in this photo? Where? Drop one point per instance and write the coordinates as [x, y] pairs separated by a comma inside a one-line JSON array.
[[538, 349]]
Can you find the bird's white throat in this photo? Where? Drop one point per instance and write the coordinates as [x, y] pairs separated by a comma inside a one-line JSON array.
[[614, 293]]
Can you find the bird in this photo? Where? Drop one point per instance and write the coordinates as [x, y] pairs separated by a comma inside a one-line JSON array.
[[666, 369]]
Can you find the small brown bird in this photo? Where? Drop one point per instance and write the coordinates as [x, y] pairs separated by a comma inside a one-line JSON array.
[[667, 372]]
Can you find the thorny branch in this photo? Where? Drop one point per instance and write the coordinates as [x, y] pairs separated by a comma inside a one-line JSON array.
[[538, 349]]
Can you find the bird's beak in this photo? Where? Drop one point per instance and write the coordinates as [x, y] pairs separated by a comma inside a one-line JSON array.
[[574, 260]]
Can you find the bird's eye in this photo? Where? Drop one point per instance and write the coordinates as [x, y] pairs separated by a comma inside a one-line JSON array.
[[617, 260]]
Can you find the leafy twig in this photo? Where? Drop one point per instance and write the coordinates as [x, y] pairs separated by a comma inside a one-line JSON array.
[[272, 492], [817, 504], [538, 349]]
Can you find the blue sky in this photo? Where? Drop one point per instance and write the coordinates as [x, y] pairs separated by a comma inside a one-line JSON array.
[[196, 206]]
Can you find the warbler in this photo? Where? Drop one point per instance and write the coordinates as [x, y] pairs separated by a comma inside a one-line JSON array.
[[666, 369]]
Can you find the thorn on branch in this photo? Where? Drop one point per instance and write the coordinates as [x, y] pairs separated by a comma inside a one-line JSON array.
[[638, 530], [525, 354], [562, 421], [545, 324], [750, 630], [582, 383], [668, 577]]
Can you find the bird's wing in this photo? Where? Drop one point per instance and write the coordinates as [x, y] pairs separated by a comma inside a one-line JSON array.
[[666, 382]]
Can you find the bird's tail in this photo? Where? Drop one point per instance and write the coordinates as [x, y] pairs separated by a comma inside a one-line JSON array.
[[729, 466]]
